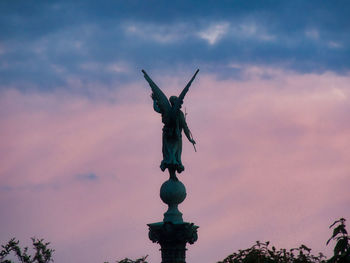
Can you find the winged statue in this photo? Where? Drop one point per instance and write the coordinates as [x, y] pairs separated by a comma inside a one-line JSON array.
[[174, 123]]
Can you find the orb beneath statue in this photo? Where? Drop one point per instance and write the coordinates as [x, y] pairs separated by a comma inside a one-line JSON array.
[[173, 192]]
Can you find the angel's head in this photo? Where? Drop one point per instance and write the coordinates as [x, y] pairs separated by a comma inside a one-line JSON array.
[[172, 100]]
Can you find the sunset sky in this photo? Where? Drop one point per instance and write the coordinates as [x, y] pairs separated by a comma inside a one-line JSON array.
[[81, 145]]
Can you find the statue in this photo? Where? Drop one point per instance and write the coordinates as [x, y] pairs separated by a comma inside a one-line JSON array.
[[174, 122], [172, 234]]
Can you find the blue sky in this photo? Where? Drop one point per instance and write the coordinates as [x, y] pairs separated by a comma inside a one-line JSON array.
[[110, 41]]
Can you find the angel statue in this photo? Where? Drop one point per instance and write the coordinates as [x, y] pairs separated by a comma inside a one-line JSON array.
[[174, 122]]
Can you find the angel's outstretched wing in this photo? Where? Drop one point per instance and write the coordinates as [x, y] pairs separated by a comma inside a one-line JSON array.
[[181, 97], [157, 95]]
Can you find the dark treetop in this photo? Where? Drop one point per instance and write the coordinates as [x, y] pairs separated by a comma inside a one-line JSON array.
[[174, 122]]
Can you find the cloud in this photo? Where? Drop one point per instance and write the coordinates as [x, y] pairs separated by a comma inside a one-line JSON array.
[[118, 68], [43, 46], [163, 34], [313, 34], [333, 44], [252, 30], [272, 158], [214, 33], [88, 177]]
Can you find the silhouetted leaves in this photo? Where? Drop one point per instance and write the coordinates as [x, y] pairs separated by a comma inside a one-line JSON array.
[[261, 253], [43, 254], [127, 260], [258, 253], [140, 260], [342, 247]]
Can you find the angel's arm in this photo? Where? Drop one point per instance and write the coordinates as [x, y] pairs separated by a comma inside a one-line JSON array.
[[186, 129], [188, 133], [155, 104]]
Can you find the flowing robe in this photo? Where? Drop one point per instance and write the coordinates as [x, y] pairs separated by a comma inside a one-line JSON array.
[[172, 139]]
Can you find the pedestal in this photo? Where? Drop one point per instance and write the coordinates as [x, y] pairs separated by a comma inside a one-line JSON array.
[[173, 239], [173, 233]]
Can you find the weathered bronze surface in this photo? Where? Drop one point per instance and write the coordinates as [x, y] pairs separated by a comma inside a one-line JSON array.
[[174, 123], [172, 233]]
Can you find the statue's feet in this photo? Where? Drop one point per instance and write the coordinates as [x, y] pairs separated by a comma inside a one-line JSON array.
[[173, 177], [172, 174]]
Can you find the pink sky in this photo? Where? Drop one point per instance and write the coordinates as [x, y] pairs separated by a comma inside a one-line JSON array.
[[272, 164]]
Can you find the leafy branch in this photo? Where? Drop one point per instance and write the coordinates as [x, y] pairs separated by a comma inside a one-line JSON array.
[[127, 260], [261, 253], [342, 247], [43, 254]]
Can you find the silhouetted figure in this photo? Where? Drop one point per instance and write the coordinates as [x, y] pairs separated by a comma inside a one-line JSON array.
[[174, 122]]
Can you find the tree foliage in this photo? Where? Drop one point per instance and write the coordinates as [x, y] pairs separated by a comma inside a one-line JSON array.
[[128, 260], [262, 253], [140, 260], [342, 239], [42, 252], [258, 253]]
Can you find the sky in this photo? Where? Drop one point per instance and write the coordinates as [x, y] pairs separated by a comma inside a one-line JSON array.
[[81, 144]]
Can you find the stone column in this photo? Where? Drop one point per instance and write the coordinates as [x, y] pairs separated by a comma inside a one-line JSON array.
[[173, 233]]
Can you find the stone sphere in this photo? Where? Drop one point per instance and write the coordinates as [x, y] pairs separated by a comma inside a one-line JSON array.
[[172, 192]]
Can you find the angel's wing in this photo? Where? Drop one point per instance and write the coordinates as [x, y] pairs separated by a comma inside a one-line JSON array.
[[160, 98], [181, 97]]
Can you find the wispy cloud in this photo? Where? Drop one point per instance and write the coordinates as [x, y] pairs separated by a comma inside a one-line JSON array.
[[313, 34], [163, 34], [214, 33], [44, 50], [87, 177], [252, 30], [334, 44]]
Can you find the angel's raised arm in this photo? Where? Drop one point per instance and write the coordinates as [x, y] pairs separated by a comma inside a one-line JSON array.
[[183, 93]]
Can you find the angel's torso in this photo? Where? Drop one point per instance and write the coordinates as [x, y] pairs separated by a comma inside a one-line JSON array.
[[173, 123]]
